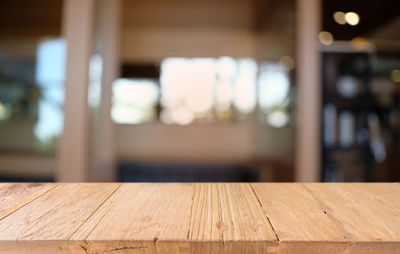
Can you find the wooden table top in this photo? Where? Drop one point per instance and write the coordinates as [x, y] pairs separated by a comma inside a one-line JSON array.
[[199, 218]]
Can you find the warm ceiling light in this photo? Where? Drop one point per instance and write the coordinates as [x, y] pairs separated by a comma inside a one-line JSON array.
[[352, 18], [360, 43], [339, 17], [325, 38]]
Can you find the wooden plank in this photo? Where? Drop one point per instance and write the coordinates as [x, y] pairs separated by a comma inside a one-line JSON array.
[[41, 247], [299, 221], [220, 213], [205, 218], [360, 215], [57, 214], [142, 218], [388, 193], [372, 227], [15, 195], [229, 214], [287, 205], [304, 223]]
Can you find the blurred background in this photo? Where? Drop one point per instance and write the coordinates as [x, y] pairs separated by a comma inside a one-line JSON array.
[[199, 90]]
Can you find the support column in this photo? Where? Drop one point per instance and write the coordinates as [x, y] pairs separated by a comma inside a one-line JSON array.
[[73, 150], [108, 26], [308, 68]]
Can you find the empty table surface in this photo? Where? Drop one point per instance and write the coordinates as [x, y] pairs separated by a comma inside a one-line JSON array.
[[199, 218]]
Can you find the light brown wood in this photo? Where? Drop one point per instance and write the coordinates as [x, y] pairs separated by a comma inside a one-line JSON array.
[[46, 224], [226, 217], [361, 216], [199, 218], [140, 216], [14, 196], [387, 193], [287, 205]]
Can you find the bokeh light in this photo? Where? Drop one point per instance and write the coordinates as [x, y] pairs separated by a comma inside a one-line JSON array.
[[2, 111], [287, 62], [325, 38], [352, 18], [395, 75], [339, 17]]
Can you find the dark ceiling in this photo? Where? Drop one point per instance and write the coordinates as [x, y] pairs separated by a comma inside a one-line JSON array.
[[30, 18], [44, 16]]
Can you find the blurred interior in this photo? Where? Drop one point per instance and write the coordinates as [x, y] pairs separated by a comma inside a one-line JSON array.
[[210, 90]]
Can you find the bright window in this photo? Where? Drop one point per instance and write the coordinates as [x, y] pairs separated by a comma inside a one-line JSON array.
[[134, 101], [50, 75], [205, 90], [273, 96]]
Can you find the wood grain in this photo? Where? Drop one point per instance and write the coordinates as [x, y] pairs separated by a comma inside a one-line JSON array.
[[15, 195], [298, 218], [57, 214], [371, 226], [386, 193], [363, 218], [199, 218], [142, 217], [231, 214]]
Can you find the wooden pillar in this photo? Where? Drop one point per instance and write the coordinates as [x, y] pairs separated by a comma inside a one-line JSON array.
[[73, 151], [108, 25], [309, 91]]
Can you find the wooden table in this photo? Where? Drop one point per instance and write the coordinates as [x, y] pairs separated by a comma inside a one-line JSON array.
[[199, 218]]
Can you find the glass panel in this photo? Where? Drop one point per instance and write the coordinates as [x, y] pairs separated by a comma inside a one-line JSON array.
[[274, 87], [134, 101], [192, 90], [50, 71], [32, 61]]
